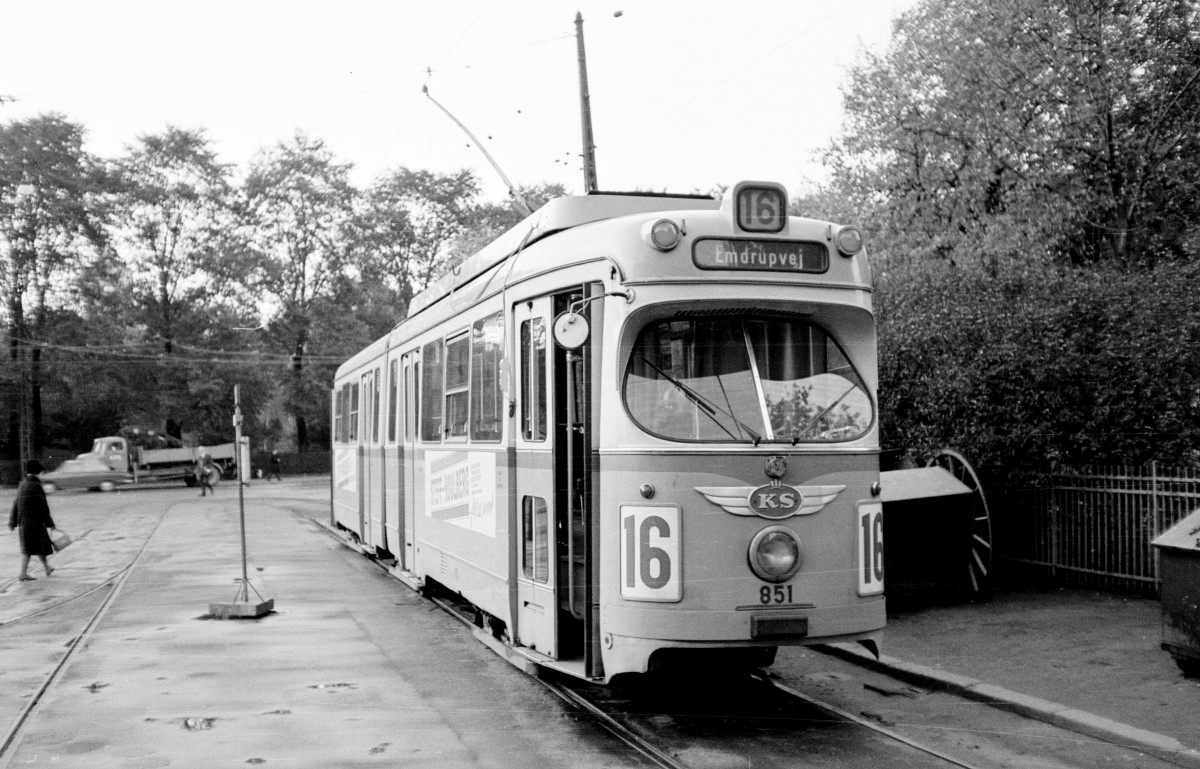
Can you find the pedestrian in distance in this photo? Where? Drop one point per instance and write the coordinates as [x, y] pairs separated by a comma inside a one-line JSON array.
[[31, 514], [204, 466], [276, 467]]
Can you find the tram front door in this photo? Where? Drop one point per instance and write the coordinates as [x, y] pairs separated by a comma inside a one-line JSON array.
[[537, 618], [553, 471]]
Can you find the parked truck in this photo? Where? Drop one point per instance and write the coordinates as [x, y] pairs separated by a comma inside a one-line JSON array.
[[138, 456]]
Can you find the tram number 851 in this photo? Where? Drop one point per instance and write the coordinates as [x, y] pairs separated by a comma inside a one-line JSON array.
[[650, 567], [870, 548]]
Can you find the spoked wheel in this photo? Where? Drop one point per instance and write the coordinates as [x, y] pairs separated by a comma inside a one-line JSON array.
[[980, 563]]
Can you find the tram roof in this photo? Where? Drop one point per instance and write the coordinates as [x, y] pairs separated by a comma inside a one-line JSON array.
[[557, 215]]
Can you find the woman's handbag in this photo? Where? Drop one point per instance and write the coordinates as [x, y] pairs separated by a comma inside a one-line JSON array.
[[59, 539]]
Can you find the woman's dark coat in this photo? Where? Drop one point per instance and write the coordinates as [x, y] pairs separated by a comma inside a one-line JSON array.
[[31, 514]]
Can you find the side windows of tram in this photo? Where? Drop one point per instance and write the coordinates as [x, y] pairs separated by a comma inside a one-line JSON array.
[[393, 389], [487, 392], [345, 413], [533, 379], [431, 392], [338, 419], [535, 533], [373, 414], [457, 350], [461, 390]]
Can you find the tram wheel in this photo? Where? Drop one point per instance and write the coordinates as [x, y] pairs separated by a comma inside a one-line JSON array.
[[979, 565]]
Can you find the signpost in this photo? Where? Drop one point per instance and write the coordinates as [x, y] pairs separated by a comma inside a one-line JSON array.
[[242, 606]]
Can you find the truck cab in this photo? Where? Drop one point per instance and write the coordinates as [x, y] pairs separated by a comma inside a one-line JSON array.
[[112, 451]]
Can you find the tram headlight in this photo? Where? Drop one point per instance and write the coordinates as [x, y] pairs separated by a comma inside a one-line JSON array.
[[849, 241], [665, 234], [775, 554]]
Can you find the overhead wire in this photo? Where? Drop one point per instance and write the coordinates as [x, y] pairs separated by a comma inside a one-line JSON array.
[[146, 352]]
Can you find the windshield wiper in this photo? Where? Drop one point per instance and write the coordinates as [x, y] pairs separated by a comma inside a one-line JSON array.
[[704, 404], [813, 422]]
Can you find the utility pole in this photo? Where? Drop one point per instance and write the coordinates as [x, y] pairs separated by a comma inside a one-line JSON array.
[[585, 107]]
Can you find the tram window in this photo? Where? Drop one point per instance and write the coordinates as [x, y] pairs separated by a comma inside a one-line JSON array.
[[375, 407], [411, 400], [392, 388], [337, 415], [431, 392], [487, 406], [353, 412], [457, 398], [343, 413], [745, 379], [533, 379], [535, 532]]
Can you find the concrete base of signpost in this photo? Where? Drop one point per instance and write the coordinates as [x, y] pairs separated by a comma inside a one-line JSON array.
[[241, 609]]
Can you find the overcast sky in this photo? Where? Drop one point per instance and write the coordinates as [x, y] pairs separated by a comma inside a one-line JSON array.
[[685, 94]]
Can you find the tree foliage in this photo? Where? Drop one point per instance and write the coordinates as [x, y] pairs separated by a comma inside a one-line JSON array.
[[995, 127], [1029, 174], [407, 223], [299, 205], [132, 286], [171, 221], [1042, 365]]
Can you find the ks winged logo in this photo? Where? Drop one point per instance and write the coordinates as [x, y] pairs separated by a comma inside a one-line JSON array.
[[776, 500]]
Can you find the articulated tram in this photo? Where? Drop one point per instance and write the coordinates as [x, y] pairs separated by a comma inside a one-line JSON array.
[[634, 431]]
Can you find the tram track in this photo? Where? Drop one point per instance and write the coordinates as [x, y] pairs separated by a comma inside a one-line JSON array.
[[639, 723], [635, 726], [116, 581]]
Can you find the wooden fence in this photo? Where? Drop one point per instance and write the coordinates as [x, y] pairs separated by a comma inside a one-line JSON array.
[[1093, 527]]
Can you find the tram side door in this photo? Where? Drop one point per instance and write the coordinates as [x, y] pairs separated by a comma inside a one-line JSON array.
[[410, 363], [366, 484], [536, 552]]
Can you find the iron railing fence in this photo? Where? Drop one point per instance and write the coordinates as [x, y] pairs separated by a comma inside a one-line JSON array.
[[1093, 527]]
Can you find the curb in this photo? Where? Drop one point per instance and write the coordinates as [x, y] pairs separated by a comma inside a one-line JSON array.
[[1167, 748]]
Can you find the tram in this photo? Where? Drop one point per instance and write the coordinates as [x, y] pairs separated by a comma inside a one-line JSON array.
[[635, 431]]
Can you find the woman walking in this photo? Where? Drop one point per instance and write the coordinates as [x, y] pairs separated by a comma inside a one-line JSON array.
[[31, 513]]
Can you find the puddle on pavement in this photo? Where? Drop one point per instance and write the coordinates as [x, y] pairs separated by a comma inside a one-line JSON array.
[[198, 724]]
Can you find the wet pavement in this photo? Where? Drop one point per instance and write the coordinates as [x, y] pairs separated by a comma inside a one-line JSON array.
[[1085, 660], [350, 670]]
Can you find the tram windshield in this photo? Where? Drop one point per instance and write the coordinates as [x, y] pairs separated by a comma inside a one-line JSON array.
[[745, 379]]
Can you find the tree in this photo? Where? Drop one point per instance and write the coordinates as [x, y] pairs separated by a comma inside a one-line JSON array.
[[299, 204], [407, 224], [171, 223], [487, 221], [992, 129], [48, 219]]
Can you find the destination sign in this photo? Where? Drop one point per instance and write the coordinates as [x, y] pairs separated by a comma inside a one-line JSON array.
[[769, 255]]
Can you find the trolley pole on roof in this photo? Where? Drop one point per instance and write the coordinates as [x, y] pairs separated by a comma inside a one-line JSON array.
[[518, 199], [585, 108]]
